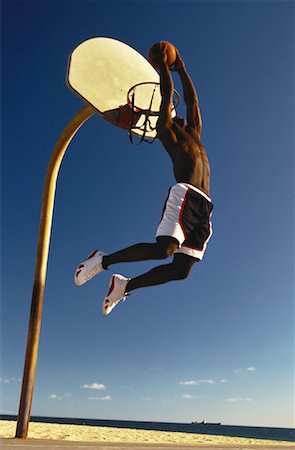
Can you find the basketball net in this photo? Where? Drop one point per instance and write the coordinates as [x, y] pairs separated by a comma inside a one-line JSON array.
[[140, 114]]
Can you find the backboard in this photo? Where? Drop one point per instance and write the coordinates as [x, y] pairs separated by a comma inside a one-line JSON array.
[[102, 71]]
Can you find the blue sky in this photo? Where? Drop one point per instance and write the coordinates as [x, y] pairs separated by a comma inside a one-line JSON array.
[[217, 346]]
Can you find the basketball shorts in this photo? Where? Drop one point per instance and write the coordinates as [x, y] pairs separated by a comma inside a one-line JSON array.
[[186, 218]]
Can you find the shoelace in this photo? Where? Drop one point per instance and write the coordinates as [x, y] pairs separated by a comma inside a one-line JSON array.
[[93, 271]]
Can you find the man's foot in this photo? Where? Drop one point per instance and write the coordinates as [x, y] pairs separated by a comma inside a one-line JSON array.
[[89, 268], [117, 292]]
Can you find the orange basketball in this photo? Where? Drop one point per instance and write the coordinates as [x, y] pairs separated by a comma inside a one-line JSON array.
[[155, 55]]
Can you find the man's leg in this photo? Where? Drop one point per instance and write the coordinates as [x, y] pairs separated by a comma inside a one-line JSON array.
[[119, 285], [164, 247], [179, 269]]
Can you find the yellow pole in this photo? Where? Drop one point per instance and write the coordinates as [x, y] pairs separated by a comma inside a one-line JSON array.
[[41, 269]]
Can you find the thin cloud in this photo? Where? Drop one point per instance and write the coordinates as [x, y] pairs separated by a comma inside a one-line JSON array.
[[223, 380], [106, 398], [239, 399], [95, 386], [54, 397], [10, 380], [196, 382], [247, 369], [208, 381], [187, 396]]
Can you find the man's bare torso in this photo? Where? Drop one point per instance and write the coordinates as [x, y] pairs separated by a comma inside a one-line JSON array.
[[188, 155]]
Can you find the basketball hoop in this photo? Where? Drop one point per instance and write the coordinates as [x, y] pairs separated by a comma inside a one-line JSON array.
[[144, 100], [128, 118]]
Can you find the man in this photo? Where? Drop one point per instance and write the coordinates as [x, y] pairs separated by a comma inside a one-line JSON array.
[[185, 227]]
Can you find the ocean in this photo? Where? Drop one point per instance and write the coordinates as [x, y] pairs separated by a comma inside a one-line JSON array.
[[277, 434]]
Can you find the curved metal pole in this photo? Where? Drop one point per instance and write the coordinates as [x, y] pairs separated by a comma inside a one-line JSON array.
[[41, 269]]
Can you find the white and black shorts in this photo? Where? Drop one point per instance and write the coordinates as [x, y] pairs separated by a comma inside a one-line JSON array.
[[186, 218]]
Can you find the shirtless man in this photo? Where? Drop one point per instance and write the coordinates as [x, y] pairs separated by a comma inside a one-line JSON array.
[[185, 227]]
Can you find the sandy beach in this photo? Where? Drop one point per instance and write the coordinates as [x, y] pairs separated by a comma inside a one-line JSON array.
[[81, 433]]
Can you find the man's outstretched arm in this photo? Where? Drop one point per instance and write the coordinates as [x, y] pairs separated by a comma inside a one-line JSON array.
[[193, 112], [166, 86]]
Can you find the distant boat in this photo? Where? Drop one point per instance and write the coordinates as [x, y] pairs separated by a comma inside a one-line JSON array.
[[204, 422]]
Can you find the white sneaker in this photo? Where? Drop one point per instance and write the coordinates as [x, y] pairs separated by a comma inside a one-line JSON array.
[[117, 292], [89, 268]]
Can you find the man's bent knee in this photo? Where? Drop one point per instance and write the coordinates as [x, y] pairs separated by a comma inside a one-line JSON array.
[[182, 273], [183, 265], [165, 246]]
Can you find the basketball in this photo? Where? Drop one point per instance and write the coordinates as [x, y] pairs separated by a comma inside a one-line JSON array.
[[155, 55]]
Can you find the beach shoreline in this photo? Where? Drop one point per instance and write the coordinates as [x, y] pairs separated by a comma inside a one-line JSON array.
[[132, 437]]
